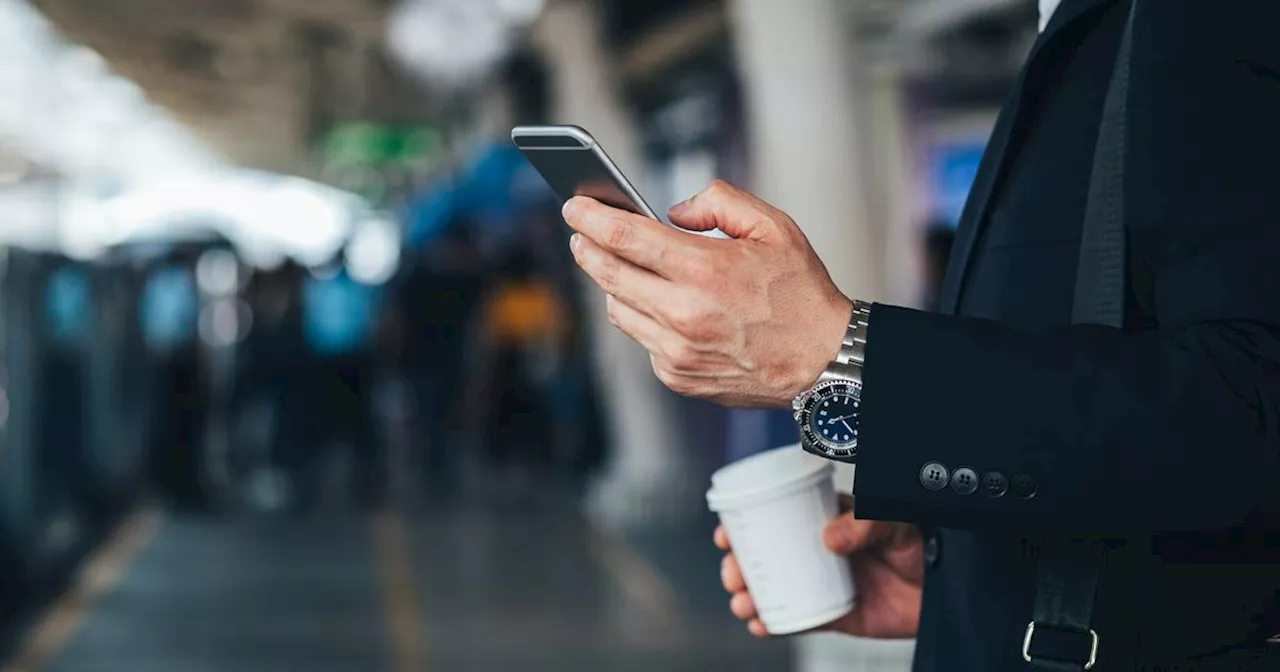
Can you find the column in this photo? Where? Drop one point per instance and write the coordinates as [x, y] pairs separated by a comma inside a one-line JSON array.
[[649, 475], [812, 116]]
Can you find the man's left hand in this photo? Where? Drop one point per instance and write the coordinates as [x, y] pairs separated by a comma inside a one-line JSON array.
[[749, 321]]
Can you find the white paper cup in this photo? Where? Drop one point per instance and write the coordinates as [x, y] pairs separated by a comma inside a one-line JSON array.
[[774, 506]]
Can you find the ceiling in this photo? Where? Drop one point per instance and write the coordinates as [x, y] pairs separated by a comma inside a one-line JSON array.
[[255, 79]]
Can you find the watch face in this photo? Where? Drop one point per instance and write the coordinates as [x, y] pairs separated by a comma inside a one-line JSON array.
[[829, 421]]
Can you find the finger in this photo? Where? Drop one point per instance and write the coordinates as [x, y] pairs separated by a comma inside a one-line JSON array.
[[642, 241], [847, 535], [756, 627], [636, 325], [731, 575], [618, 277], [721, 538], [725, 207], [743, 606]]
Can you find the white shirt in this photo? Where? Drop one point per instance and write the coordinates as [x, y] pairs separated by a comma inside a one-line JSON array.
[[1046, 11]]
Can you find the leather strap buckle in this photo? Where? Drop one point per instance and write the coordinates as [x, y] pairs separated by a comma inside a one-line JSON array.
[[1057, 644]]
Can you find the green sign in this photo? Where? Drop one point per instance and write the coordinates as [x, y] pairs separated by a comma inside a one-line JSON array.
[[378, 161]]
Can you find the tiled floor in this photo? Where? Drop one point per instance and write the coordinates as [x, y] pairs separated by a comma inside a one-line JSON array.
[[523, 588]]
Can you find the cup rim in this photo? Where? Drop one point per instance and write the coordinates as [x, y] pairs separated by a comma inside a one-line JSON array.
[[789, 461], [719, 501]]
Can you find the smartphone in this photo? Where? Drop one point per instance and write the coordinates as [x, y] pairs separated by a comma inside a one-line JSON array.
[[574, 164]]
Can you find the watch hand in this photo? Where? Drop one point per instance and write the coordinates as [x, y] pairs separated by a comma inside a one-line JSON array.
[[846, 425]]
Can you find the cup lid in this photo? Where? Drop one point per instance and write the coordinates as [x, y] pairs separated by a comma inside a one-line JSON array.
[[771, 468]]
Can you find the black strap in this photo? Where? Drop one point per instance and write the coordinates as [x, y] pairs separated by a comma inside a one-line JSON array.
[[1061, 635]]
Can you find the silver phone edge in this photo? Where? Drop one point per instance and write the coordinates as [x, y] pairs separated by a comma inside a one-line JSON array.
[[581, 135], [629, 190], [576, 132]]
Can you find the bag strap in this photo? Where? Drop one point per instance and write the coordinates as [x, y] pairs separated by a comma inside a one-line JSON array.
[[1060, 635]]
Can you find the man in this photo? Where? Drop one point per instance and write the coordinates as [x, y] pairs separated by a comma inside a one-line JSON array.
[[169, 311], [1162, 437], [524, 328], [338, 320], [436, 298]]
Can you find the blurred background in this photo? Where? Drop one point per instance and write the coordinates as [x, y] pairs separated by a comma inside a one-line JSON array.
[[296, 371]]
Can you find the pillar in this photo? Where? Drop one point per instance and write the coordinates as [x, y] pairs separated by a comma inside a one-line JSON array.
[[814, 121], [650, 474]]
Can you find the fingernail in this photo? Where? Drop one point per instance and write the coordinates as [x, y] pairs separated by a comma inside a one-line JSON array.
[[575, 241], [678, 207], [569, 206]]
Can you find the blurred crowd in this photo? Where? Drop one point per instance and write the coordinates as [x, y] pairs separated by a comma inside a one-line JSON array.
[[295, 384]]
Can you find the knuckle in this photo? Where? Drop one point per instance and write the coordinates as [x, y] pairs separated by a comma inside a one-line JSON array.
[[611, 310], [620, 234], [607, 274], [683, 357], [663, 373], [682, 318], [681, 387]]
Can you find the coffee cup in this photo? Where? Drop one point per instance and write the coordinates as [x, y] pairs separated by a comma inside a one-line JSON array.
[[774, 506]]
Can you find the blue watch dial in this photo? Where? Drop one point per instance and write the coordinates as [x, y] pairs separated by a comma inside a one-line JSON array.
[[835, 419], [829, 421]]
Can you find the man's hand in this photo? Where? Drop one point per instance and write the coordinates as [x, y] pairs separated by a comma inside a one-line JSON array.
[[888, 571], [748, 322]]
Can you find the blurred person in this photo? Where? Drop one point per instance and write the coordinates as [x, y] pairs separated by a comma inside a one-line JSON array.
[[268, 361], [332, 398], [436, 299], [576, 423], [63, 405], [170, 309], [1024, 484], [523, 329]]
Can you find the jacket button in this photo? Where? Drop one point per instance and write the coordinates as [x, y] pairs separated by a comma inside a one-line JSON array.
[[934, 476], [964, 481], [1024, 486], [932, 550], [994, 484]]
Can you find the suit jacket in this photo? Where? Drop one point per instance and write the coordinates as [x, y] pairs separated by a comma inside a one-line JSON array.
[[1163, 437]]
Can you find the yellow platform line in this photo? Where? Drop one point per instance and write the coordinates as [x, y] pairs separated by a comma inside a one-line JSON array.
[[393, 558], [640, 581], [96, 578]]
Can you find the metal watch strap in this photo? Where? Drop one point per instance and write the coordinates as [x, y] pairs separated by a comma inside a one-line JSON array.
[[853, 349]]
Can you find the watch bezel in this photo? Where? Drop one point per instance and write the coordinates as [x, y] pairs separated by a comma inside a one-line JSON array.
[[804, 414]]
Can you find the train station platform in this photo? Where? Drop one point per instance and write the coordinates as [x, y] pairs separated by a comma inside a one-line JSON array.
[[468, 588]]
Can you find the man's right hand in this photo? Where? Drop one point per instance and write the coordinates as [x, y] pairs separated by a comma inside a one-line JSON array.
[[888, 569]]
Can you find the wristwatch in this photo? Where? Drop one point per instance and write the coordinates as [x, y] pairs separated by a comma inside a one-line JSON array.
[[828, 412]]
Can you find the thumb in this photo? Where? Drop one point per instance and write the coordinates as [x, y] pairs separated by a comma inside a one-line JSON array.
[[728, 208]]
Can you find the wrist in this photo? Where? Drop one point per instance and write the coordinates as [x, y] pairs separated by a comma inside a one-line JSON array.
[[827, 342], [827, 411]]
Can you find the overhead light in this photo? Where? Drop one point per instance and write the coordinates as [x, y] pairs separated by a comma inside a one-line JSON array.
[[373, 255], [448, 41]]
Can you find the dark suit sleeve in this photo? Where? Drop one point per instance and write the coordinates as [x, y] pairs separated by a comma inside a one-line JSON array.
[[1177, 428], [1119, 431]]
